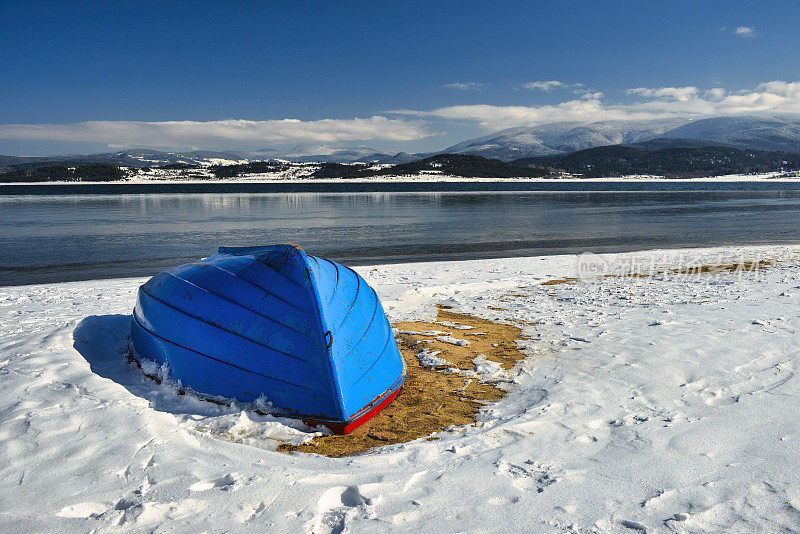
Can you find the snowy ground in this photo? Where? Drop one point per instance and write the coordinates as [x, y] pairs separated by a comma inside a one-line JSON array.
[[656, 403], [300, 175]]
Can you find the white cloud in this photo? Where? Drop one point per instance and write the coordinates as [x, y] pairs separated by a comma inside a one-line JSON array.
[[233, 132], [745, 31], [715, 93], [680, 94], [465, 86], [549, 85], [498, 117], [776, 97]]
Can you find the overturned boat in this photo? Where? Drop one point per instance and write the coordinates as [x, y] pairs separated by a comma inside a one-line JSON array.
[[307, 333]]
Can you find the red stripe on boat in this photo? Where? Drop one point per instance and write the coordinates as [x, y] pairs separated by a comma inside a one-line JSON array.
[[346, 428]]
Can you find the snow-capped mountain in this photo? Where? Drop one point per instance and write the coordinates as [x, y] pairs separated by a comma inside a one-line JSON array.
[[755, 133], [309, 153], [152, 158], [562, 137]]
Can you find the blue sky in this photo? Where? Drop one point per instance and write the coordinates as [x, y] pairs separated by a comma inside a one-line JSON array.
[[83, 77]]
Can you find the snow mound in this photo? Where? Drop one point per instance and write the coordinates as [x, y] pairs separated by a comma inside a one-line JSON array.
[[428, 358], [453, 341]]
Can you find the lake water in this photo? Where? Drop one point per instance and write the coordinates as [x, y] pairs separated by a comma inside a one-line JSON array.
[[47, 235]]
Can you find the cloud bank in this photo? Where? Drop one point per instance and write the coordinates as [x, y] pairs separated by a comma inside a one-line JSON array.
[[642, 103], [776, 97], [232, 132]]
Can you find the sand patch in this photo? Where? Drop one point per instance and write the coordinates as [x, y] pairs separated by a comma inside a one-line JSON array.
[[446, 389], [746, 266], [556, 281], [743, 266]]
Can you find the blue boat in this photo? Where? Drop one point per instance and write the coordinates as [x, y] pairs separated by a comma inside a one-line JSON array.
[[307, 333]]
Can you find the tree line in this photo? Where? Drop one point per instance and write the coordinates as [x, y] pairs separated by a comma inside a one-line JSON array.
[[97, 172], [463, 165], [618, 160]]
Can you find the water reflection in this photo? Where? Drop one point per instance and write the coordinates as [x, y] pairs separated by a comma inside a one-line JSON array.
[[119, 235]]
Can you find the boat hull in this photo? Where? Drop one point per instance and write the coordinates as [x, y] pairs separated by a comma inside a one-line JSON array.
[[273, 324]]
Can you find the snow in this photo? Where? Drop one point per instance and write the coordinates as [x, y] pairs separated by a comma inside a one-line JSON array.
[[428, 358], [452, 340], [659, 403], [223, 161], [423, 332], [448, 324], [301, 174], [487, 370]]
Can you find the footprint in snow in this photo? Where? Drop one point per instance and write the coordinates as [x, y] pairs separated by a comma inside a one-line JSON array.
[[129, 509], [336, 507], [530, 476], [633, 525], [228, 482], [248, 513], [83, 510], [761, 375], [629, 420], [126, 510]]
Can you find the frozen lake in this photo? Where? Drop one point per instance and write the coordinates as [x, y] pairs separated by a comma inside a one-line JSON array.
[[137, 232]]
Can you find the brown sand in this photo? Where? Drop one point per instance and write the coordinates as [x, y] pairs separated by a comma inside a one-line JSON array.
[[431, 399], [556, 281], [746, 266]]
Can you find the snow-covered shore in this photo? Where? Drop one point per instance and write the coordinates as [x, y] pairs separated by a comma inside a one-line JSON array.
[[276, 178], [657, 402]]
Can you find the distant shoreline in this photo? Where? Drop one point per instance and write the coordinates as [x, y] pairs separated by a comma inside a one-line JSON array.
[[771, 177]]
